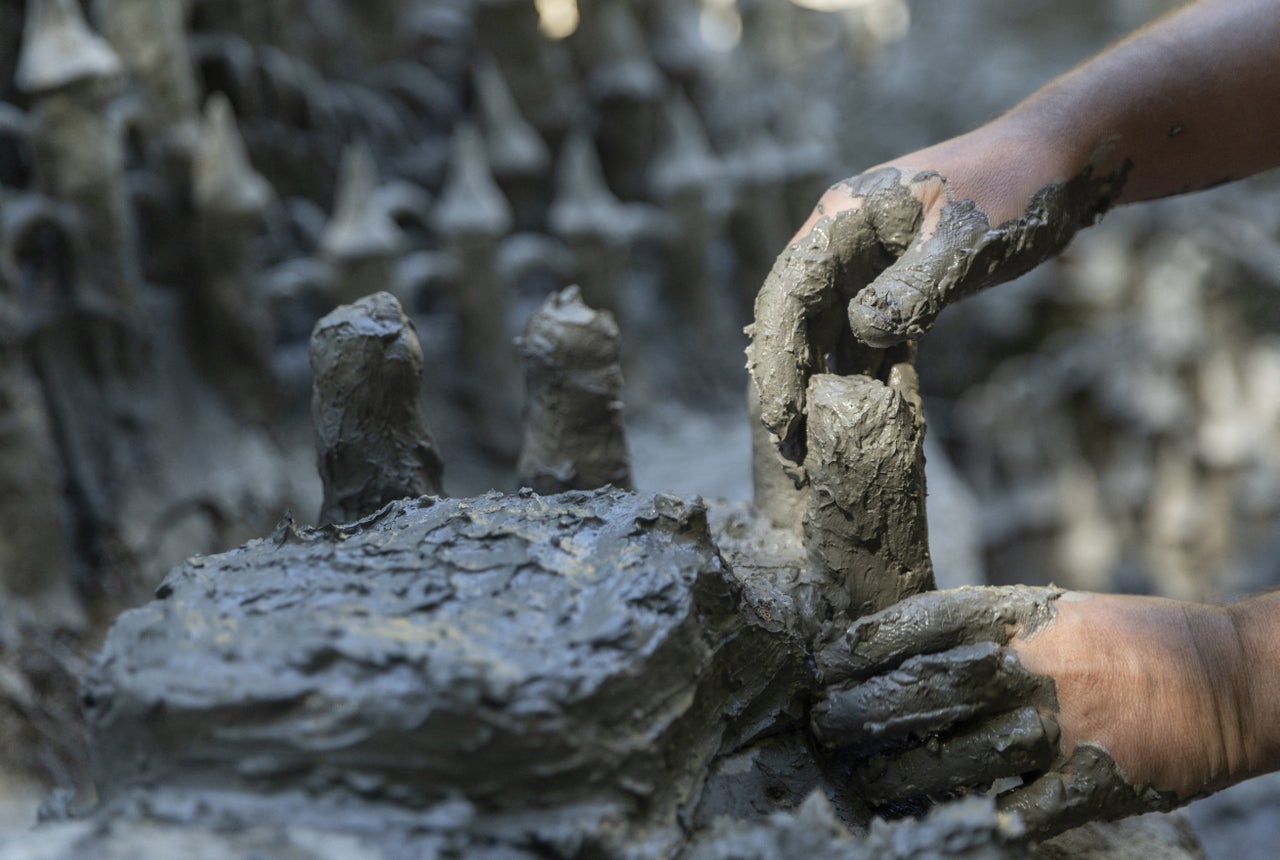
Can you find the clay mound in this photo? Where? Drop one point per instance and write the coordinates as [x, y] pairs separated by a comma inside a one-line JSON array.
[[520, 653]]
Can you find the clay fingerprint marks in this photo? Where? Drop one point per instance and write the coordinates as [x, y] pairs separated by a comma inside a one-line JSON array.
[[372, 441], [865, 519], [574, 437]]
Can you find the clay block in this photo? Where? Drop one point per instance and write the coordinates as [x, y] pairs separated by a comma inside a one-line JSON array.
[[565, 666]]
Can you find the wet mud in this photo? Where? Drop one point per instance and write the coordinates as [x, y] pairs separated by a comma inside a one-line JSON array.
[[865, 517], [564, 667], [574, 437], [372, 440]]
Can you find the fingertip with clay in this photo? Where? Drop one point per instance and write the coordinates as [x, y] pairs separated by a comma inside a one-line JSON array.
[[875, 326]]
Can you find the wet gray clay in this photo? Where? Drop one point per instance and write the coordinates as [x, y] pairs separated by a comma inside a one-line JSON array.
[[553, 673], [865, 520], [372, 441], [574, 437]]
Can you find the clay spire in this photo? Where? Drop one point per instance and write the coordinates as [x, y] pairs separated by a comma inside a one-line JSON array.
[[372, 441], [591, 221], [59, 49], [226, 316], [361, 226], [686, 159], [611, 43], [472, 203], [474, 217], [151, 38], [574, 437], [584, 204], [224, 179], [513, 146]]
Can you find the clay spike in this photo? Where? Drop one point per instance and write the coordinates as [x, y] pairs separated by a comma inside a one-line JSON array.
[[687, 159], [59, 49], [361, 225], [584, 204], [471, 202], [514, 148], [224, 179], [614, 44]]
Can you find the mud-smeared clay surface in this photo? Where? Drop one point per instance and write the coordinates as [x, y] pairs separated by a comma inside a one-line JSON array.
[[865, 521], [550, 672], [372, 440], [574, 437]]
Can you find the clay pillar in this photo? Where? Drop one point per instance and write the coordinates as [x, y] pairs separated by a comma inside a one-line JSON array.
[[574, 437], [539, 71], [225, 315], [372, 441], [688, 181], [361, 242], [473, 218], [778, 486], [72, 74], [625, 87], [150, 37], [865, 519], [517, 154], [35, 542], [592, 223]]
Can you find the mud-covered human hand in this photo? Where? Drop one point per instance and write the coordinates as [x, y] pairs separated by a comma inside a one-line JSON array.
[[1104, 705], [884, 252]]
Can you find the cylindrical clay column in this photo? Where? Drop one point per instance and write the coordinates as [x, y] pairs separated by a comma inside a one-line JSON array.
[[865, 521], [372, 441], [574, 437]]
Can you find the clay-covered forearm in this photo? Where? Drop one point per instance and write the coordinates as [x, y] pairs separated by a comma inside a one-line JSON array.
[[1257, 624], [1186, 103]]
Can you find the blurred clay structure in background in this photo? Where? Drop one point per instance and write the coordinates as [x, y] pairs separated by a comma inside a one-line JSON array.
[[187, 188]]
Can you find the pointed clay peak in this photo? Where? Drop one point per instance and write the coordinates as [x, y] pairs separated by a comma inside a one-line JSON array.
[[566, 332], [613, 44], [686, 157], [361, 225], [514, 147], [584, 204], [677, 40], [224, 179], [58, 48], [471, 203]]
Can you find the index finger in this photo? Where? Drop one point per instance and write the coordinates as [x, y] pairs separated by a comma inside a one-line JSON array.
[[931, 622], [799, 288], [858, 229]]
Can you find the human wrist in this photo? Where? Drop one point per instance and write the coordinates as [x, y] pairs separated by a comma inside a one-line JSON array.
[[1257, 692]]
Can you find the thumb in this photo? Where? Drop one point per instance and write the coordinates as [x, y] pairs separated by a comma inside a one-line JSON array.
[[902, 302]]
